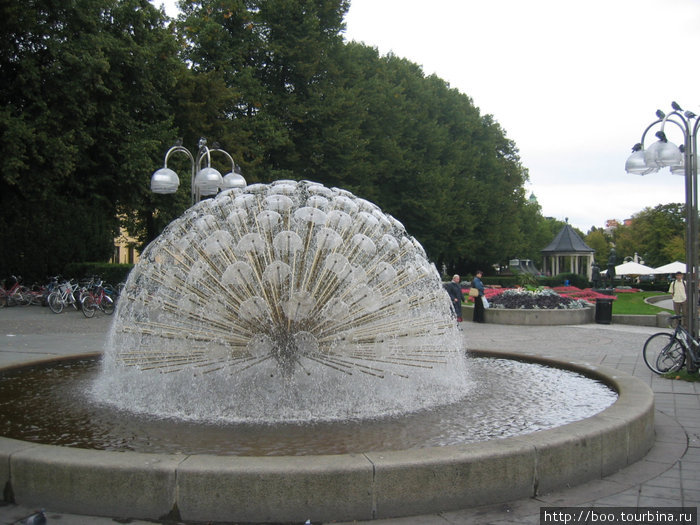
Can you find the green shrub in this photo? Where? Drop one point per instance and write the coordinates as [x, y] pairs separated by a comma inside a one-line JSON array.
[[526, 279], [579, 281], [505, 281], [521, 279], [656, 286], [108, 272]]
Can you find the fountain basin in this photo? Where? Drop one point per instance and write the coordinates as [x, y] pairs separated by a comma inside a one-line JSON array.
[[359, 486]]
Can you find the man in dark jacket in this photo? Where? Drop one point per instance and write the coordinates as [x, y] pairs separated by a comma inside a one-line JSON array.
[[454, 290]]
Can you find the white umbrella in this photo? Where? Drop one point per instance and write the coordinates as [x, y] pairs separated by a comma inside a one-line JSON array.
[[671, 268], [633, 268]]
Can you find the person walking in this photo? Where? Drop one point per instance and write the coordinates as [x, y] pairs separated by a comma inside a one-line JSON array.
[[454, 290], [478, 303], [678, 296]]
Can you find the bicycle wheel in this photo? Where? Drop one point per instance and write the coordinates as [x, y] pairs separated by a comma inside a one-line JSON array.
[[55, 302], [36, 298], [88, 306], [24, 296], [664, 353], [11, 300], [107, 305]]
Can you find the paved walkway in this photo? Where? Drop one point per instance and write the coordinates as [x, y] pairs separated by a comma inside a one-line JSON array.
[[668, 476]]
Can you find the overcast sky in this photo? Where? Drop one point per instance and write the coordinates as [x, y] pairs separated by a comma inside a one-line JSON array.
[[573, 84]]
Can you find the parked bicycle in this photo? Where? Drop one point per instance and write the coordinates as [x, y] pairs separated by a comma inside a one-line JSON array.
[[15, 294], [63, 295], [37, 294], [666, 352], [113, 291], [95, 298]]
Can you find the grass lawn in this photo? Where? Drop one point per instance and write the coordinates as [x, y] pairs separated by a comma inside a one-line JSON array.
[[633, 304], [683, 375]]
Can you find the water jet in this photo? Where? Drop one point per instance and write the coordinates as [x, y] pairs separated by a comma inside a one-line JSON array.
[[283, 302]]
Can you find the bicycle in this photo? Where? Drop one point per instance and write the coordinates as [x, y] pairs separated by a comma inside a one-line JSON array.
[[666, 352], [37, 294], [63, 296], [95, 298], [16, 294], [113, 291]]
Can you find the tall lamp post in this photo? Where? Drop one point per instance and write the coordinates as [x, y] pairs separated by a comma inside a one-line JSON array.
[[681, 160], [205, 180]]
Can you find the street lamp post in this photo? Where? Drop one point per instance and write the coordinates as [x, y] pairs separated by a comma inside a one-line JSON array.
[[205, 180], [681, 160]]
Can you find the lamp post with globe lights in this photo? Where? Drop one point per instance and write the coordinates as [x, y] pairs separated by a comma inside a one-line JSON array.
[[205, 180], [681, 160]]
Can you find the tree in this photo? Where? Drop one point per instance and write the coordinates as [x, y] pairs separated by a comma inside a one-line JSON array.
[[273, 56], [406, 148], [600, 242], [83, 114], [651, 233], [674, 249], [97, 90], [307, 106]]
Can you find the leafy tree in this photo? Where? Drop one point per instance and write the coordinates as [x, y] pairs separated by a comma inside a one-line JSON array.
[[98, 89], [651, 234], [408, 152], [273, 56], [306, 106], [422, 151], [674, 250], [537, 233], [600, 242], [84, 111]]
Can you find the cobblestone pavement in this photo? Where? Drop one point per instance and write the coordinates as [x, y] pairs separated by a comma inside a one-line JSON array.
[[667, 477]]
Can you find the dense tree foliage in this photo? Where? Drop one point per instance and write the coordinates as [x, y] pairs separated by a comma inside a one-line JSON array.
[[307, 106], [96, 91], [598, 240], [655, 234], [83, 109]]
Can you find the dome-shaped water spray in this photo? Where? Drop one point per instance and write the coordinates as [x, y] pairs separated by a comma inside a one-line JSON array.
[[288, 301]]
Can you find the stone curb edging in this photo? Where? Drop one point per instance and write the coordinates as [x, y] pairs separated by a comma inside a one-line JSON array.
[[659, 320], [541, 317], [535, 317], [340, 487], [657, 298], [556, 317]]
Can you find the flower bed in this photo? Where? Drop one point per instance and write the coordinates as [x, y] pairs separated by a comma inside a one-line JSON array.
[[589, 295], [559, 297], [544, 306], [541, 299]]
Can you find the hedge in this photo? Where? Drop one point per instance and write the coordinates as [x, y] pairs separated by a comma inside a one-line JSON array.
[[579, 281], [108, 272]]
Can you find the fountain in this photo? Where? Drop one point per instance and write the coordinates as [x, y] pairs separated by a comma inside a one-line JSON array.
[[293, 302], [283, 302]]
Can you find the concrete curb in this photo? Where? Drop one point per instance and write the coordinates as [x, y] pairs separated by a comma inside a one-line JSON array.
[[659, 320], [539, 317], [561, 317], [342, 487]]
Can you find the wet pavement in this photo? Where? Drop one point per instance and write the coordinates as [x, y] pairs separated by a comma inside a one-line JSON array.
[[669, 476]]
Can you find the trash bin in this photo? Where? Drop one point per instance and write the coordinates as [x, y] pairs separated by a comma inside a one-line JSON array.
[[603, 311]]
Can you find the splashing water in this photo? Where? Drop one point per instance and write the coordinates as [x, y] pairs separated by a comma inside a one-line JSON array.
[[283, 302]]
